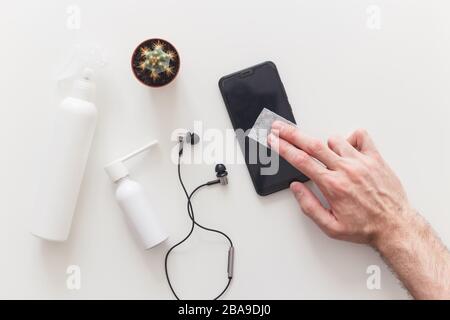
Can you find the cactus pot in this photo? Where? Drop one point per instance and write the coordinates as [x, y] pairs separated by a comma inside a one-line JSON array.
[[155, 62]]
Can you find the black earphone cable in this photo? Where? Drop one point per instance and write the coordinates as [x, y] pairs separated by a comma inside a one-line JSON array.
[[176, 245], [190, 210]]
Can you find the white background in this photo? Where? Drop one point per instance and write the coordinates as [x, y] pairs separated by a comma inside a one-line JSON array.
[[339, 75]]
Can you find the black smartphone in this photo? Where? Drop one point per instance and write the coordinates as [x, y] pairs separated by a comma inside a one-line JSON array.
[[246, 93]]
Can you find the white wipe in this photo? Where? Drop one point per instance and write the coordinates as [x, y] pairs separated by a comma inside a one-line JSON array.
[[263, 125]]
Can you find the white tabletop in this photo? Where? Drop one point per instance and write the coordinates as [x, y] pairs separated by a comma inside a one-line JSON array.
[[342, 68]]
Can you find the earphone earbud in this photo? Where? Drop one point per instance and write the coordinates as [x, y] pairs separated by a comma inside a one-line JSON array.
[[192, 138], [222, 174]]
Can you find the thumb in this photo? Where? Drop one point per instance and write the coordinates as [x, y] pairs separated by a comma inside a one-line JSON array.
[[312, 207]]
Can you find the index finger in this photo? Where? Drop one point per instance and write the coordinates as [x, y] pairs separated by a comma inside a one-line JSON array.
[[310, 145], [297, 158]]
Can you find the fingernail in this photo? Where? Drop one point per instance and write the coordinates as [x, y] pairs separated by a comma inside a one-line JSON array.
[[277, 125], [271, 138], [296, 187]]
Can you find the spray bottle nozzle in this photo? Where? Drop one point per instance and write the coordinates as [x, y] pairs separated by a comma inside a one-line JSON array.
[[84, 86], [117, 169], [79, 57], [88, 74]]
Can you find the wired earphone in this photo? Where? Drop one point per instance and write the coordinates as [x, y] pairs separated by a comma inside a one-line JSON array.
[[222, 179]]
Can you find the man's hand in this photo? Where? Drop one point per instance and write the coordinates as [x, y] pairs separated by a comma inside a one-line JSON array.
[[366, 199], [367, 204]]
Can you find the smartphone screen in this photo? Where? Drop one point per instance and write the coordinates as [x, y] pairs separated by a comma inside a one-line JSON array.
[[246, 93]]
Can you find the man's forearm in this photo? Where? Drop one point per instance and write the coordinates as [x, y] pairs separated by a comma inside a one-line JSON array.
[[418, 257]]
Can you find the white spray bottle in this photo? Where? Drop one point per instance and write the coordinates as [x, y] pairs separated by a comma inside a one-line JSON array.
[[134, 202], [66, 157]]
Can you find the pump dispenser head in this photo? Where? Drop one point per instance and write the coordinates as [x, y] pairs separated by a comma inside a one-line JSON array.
[[117, 169]]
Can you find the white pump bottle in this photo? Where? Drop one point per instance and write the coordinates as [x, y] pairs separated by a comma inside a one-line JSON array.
[[66, 157], [134, 202]]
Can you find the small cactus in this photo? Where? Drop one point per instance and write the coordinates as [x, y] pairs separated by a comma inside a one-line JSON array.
[[155, 62]]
